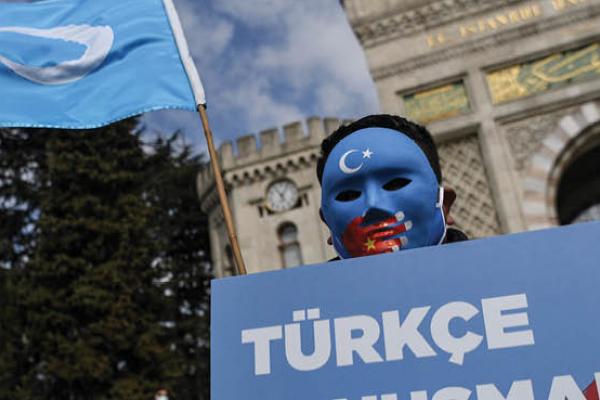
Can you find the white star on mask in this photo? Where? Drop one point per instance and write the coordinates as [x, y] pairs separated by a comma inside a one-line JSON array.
[[367, 153]]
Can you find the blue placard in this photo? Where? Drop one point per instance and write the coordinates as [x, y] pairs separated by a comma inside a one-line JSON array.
[[513, 317]]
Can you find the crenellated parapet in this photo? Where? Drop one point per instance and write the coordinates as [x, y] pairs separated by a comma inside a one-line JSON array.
[[254, 157], [274, 142]]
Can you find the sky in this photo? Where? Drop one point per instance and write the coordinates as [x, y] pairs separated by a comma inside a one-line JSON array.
[[266, 63]]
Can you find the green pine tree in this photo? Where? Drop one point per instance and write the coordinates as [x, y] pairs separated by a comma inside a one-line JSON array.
[[181, 229], [7, 364], [22, 157], [104, 276], [91, 300]]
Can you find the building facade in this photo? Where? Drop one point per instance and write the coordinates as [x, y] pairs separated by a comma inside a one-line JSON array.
[[275, 197], [510, 86], [510, 90]]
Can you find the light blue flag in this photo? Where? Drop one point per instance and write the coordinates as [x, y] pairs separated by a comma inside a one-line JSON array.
[[79, 64]]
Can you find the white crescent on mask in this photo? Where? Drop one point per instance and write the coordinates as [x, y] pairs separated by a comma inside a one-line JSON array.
[[344, 167], [98, 41]]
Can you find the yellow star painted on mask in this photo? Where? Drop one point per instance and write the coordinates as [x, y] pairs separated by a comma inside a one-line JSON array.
[[370, 244]]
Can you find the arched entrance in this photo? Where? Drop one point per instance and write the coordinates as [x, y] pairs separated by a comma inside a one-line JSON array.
[[562, 184], [578, 192]]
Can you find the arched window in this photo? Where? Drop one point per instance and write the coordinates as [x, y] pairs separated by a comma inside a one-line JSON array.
[[291, 254]]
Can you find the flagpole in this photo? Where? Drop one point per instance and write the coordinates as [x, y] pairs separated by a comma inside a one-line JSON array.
[[199, 96], [214, 161]]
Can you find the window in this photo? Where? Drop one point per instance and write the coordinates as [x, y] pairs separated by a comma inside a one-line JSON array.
[[291, 254]]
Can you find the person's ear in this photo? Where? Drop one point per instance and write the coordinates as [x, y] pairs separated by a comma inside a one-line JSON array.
[[449, 198], [329, 239]]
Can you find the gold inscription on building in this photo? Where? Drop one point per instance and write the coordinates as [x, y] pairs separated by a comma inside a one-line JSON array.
[[538, 76], [438, 103], [560, 5], [498, 21], [495, 22], [436, 40]]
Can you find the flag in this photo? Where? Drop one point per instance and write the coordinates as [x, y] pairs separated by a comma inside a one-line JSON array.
[[79, 64]]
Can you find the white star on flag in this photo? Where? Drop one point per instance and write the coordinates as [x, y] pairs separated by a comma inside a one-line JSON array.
[[367, 153]]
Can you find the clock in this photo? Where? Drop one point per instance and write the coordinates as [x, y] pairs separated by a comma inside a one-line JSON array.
[[282, 196]]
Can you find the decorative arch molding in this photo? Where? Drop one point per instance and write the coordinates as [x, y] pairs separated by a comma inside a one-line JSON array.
[[540, 183]]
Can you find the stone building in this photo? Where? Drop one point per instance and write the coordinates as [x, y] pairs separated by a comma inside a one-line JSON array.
[[509, 88], [275, 197]]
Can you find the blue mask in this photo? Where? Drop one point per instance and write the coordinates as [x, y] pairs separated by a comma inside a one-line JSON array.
[[380, 194]]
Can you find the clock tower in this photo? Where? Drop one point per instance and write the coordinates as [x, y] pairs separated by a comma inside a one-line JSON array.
[[274, 195]]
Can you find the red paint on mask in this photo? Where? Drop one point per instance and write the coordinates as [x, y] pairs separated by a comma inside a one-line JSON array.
[[591, 393], [363, 240]]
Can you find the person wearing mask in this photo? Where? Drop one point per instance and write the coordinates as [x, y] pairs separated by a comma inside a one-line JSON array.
[[382, 188], [382, 191]]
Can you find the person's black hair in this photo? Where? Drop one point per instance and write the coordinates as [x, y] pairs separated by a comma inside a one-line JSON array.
[[419, 134]]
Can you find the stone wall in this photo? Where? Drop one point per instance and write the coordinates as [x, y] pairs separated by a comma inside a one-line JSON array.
[[464, 170]]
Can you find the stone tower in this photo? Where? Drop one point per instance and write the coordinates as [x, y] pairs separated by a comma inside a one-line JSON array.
[[275, 198], [509, 88]]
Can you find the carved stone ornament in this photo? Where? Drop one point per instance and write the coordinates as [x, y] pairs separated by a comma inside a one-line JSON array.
[[464, 171], [373, 30]]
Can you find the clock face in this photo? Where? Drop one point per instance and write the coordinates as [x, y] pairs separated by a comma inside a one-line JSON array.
[[282, 196]]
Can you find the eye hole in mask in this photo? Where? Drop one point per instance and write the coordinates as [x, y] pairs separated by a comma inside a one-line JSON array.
[[396, 184], [348, 195]]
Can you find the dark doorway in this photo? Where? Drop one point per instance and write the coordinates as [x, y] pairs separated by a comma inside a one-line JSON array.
[[578, 198]]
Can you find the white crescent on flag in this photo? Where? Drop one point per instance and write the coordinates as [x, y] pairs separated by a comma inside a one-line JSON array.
[[89, 63], [98, 41]]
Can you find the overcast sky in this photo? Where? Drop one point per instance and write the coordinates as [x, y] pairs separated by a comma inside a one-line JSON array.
[[265, 63]]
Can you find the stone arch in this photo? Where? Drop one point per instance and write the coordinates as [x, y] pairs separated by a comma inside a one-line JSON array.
[[541, 180], [578, 192]]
